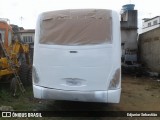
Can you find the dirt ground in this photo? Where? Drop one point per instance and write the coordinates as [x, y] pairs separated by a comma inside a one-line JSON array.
[[138, 94]]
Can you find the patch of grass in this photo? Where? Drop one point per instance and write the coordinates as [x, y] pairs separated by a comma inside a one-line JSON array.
[[5, 95], [22, 101], [155, 85]]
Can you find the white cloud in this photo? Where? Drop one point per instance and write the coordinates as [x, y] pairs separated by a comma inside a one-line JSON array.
[[29, 9]]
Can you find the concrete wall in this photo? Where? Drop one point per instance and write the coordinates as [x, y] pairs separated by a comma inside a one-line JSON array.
[[129, 29], [129, 19], [129, 38], [149, 48]]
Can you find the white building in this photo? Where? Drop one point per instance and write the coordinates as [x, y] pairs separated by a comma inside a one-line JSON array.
[[150, 23], [27, 35]]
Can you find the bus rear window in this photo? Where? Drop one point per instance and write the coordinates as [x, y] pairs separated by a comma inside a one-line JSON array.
[[76, 27]]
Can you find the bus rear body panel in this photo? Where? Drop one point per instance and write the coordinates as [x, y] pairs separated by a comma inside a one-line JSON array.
[[78, 72]]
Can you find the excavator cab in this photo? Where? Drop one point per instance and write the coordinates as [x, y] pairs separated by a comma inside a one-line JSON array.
[[6, 33]]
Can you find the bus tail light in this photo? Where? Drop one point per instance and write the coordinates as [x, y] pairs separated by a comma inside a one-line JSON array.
[[115, 82], [35, 76]]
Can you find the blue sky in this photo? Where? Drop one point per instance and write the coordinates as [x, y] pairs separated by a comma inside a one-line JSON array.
[[29, 10]]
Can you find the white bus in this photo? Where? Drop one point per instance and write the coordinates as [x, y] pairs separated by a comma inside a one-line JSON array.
[[77, 56]]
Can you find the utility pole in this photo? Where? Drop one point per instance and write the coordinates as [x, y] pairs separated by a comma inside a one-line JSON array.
[[21, 19], [150, 14]]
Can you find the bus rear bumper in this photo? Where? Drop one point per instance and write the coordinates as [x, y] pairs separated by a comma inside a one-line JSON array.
[[108, 96]]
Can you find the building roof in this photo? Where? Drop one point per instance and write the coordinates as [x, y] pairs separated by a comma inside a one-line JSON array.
[[21, 28], [27, 31], [148, 19]]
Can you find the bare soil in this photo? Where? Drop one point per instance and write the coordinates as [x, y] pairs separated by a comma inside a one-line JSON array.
[[138, 94]]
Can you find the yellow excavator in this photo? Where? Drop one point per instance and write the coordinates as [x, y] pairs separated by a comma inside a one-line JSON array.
[[14, 59]]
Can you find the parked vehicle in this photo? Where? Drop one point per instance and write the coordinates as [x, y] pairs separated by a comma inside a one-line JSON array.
[[77, 56]]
